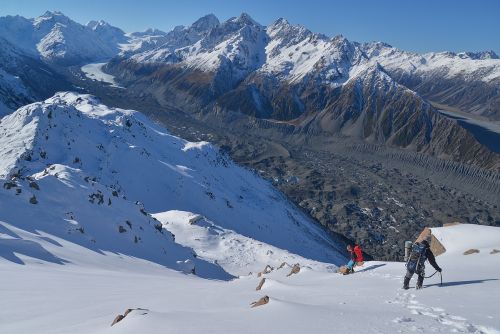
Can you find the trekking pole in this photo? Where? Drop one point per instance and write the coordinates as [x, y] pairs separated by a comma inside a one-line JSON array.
[[441, 275]]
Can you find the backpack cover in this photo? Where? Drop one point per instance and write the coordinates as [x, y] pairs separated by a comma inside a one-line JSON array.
[[418, 255]]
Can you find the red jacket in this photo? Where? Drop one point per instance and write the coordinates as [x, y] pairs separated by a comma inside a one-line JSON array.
[[359, 253]]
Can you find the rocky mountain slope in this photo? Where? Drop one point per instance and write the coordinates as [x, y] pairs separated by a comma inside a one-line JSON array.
[[287, 73], [371, 106], [24, 78]]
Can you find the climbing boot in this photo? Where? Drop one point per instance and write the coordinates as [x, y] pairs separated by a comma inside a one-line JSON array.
[[406, 283], [420, 282]]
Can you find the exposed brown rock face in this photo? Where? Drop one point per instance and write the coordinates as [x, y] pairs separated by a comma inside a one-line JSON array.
[[374, 108]]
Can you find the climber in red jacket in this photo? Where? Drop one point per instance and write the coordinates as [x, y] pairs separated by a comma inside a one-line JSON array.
[[356, 255], [359, 255]]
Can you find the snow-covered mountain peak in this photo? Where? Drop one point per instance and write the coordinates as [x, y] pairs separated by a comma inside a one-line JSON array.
[[56, 38], [244, 19], [375, 77], [204, 23], [287, 32], [482, 55], [50, 18], [151, 32], [102, 25], [109, 34]]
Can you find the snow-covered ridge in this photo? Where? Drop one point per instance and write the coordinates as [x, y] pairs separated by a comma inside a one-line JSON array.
[[294, 53], [101, 170], [56, 38]]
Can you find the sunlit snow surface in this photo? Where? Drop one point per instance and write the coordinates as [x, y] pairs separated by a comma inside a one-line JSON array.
[[85, 298]]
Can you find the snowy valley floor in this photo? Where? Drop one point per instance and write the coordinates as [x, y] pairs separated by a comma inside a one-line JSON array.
[[52, 298]]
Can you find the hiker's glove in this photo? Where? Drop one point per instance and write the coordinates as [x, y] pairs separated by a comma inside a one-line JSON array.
[[439, 269]]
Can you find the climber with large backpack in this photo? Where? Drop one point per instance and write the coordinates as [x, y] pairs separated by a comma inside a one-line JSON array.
[[420, 252]]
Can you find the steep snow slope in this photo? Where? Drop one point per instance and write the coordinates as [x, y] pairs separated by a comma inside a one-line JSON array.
[[100, 171], [236, 253]]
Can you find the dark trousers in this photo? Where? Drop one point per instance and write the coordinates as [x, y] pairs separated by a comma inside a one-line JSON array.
[[420, 271]]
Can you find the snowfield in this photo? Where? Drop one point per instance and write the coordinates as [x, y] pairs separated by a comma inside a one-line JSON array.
[[102, 210], [52, 298]]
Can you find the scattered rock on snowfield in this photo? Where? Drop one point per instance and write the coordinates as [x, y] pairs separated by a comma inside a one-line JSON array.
[[122, 229], [471, 251], [266, 270], [34, 185], [295, 270], [262, 281], [495, 251], [282, 265], [33, 200], [7, 185], [264, 300], [120, 317]]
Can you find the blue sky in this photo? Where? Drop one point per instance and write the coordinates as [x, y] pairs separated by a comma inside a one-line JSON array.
[[420, 26]]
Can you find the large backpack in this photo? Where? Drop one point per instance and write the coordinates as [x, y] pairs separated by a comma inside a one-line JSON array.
[[418, 255]]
